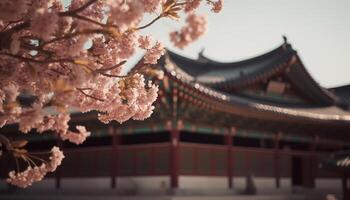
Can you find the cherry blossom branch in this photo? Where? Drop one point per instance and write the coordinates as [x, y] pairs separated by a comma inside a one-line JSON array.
[[9, 23], [18, 27], [81, 90], [114, 76], [29, 161], [210, 2], [80, 9], [71, 35], [103, 71], [113, 67], [36, 157], [5, 36], [58, 37], [24, 59], [81, 17], [5, 141], [150, 23], [168, 11], [17, 164]]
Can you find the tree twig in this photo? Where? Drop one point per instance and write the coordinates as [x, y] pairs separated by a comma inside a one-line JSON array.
[[113, 67], [5, 141], [150, 23], [80, 9], [88, 95], [85, 32], [36, 61]]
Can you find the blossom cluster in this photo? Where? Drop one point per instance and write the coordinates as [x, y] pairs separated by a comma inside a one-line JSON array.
[[57, 58], [33, 174], [196, 26]]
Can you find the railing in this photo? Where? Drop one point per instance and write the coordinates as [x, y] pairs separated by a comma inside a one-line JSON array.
[[194, 159], [132, 160]]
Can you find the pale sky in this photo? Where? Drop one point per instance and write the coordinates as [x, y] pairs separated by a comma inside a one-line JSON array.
[[318, 29]]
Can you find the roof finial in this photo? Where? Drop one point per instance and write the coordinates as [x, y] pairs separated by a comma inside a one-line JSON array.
[[285, 40], [201, 54]]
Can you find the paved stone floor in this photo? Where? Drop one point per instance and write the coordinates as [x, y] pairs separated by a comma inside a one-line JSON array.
[[236, 197]]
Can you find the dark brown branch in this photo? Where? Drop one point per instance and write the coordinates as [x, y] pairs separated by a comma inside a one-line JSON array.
[[113, 76], [6, 142], [36, 61], [80, 9], [84, 88], [9, 23], [113, 67], [88, 95], [5, 36], [68, 36], [88, 19], [150, 23]]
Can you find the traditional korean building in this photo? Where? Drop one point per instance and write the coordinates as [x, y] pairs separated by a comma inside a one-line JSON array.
[[265, 116]]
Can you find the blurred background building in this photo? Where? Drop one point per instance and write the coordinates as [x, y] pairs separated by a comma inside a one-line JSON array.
[[261, 125]]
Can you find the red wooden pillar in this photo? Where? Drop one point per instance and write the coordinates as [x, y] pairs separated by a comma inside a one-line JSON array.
[[175, 158], [229, 159], [114, 151], [276, 159]]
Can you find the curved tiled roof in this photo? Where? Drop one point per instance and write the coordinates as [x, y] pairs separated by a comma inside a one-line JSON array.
[[328, 113], [217, 74], [186, 71], [284, 59], [343, 93]]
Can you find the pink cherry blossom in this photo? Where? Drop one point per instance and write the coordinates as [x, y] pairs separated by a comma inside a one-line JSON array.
[[217, 6], [76, 138], [125, 46], [153, 54], [55, 159], [11, 91], [65, 57], [34, 174], [31, 119], [138, 101], [196, 26], [151, 6], [126, 13], [192, 5], [44, 23], [145, 42], [15, 44], [27, 177], [12, 9]]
